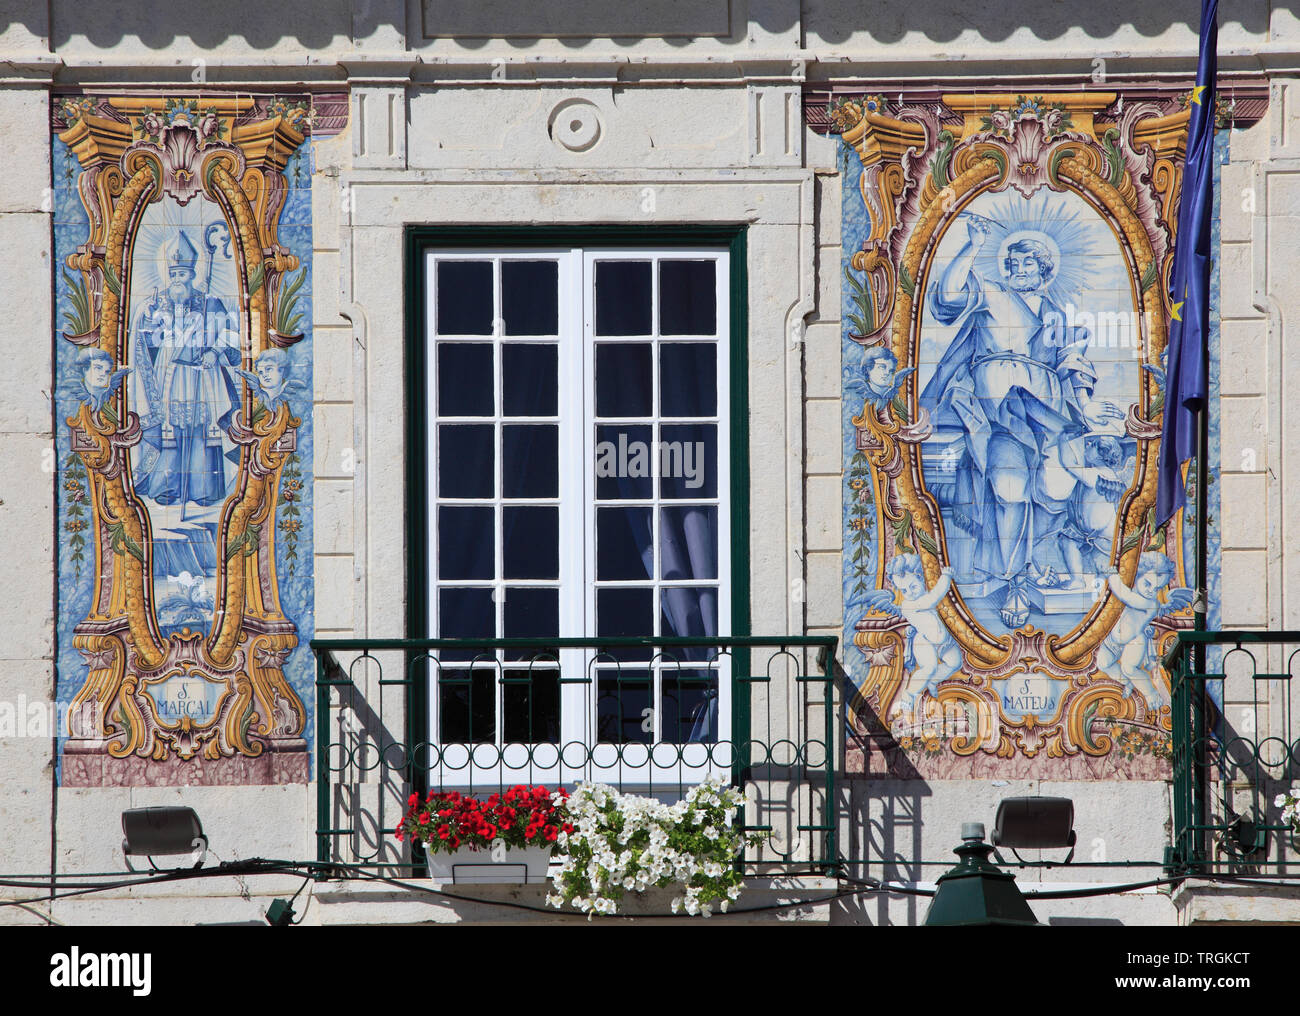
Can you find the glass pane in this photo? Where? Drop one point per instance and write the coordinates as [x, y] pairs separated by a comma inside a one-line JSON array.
[[467, 705], [466, 460], [530, 460], [688, 298], [688, 706], [530, 542], [688, 458], [465, 614], [623, 298], [625, 612], [688, 611], [530, 297], [531, 701], [688, 379], [465, 542], [530, 379], [529, 614], [464, 379], [624, 707], [688, 542], [464, 298], [625, 463], [624, 543], [624, 379]]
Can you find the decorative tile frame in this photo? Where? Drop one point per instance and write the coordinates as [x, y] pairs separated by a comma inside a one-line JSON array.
[[1007, 681], [185, 438]]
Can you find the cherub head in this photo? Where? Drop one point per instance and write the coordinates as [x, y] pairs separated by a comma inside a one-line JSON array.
[[1154, 571], [96, 367], [272, 366], [1103, 451], [879, 365], [907, 575]]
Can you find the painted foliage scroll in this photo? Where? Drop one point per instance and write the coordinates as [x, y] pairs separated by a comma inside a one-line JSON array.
[[183, 278], [1007, 593]]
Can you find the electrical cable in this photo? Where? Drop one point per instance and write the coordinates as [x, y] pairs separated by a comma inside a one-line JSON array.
[[312, 871]]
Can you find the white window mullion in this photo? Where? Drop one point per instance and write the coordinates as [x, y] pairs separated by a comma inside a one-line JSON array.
[[431, 479], [575, 500]]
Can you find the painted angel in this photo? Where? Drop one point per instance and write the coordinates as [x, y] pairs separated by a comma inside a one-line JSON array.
[[932, 653], [881, 379], [98, 378], [1128, 647], [269, 380]]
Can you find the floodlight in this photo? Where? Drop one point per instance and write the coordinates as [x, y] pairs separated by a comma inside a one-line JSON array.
[[1035, 823], [153, 832]]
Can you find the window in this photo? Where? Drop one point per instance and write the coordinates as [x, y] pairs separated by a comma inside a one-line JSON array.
[[577, 478]]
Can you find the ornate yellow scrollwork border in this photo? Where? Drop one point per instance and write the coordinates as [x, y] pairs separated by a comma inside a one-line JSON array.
[[127, 163], [918, 176]]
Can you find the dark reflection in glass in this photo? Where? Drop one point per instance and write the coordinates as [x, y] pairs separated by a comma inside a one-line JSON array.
[[467, 705], [531, 703], [465, 614], [530, 297], [688, 298], [464, 297], [529, 614], [624, 706], [688, 460], [688, 705], [626, 462], [466, 459], [530, 379], [624, 548], [465, 542], [530, 542], [625, 612], [464, 379], [688, 379], [624, 379], [530, 460], [623, 298]]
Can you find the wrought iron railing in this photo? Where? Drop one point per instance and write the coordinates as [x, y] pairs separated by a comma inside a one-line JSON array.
[[1234, 750], [653, 716]]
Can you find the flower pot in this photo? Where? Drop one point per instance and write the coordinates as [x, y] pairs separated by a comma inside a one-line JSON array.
[[467, 866]]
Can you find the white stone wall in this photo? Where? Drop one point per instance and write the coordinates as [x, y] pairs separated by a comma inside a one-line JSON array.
[[27, 524]]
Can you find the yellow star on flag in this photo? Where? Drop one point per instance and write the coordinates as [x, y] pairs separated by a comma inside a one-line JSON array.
[[1174, 310], [1196, 93]]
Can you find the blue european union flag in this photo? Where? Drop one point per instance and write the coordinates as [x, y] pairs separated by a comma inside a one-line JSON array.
[[1186, 372]]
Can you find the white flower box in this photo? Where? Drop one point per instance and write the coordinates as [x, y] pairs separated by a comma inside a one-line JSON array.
[[467, 866]]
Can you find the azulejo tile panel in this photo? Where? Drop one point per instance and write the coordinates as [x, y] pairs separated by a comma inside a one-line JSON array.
[[184, 440], [1007, 592]]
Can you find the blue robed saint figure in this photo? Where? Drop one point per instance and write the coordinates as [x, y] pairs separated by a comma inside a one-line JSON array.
[[1013, 394], [183, 360]]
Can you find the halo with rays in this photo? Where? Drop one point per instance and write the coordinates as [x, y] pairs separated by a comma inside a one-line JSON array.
[[1052, 219], [163, 222]]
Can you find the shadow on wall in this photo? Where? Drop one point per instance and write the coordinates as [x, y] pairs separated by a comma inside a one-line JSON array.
[[320, 24], [880, 820]]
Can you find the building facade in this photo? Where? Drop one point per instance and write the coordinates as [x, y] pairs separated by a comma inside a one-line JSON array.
[[829, 339]]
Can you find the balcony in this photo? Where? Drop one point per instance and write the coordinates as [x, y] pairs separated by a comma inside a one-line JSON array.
[[1235, 749], [649, 716]]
